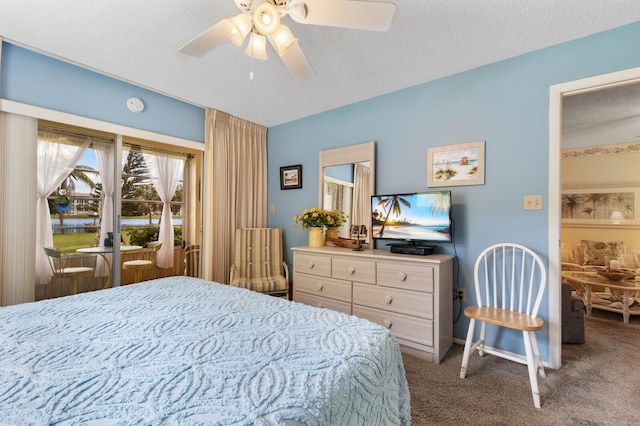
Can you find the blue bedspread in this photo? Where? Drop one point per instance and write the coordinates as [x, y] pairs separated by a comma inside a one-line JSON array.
[[181, 350]]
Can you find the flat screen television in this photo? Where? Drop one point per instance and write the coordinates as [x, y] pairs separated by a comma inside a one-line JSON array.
[[414, 218]]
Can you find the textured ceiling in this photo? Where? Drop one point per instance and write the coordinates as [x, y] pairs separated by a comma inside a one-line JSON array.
[[602, 117], [138, 41]]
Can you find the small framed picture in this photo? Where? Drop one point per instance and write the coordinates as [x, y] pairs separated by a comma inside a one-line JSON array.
[[291, 177], [456, 165]]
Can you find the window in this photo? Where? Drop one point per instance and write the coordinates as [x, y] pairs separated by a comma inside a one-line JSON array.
[[142, 204]]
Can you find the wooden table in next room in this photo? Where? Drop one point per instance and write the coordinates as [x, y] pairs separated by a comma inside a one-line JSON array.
[[588, 280]]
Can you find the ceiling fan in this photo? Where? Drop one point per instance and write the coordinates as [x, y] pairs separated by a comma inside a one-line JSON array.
[[261, 20]]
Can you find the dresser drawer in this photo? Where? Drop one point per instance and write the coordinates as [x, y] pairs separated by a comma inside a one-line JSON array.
[[413, 329], [363, 271], [315, 265], [405, 275], [395, 300], [321, 302], [321, 286]]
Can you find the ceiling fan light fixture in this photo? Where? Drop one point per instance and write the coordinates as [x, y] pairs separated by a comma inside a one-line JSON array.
[[283, 39], [266, 18], [237, 28], [299, 11], [257, 47]]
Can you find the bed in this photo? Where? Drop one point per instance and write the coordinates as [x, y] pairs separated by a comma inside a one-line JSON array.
[[182, 350]]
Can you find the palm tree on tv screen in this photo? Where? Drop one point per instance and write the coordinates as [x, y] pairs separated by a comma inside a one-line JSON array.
[[390, 205], [441, 202]]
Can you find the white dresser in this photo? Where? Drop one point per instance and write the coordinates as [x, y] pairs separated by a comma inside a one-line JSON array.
[[410, 295]]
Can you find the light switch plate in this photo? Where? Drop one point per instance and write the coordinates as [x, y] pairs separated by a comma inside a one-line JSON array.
[[533, 202]]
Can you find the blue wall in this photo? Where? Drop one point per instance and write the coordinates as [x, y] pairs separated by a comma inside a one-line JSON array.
[[505, 104], [40, 80]]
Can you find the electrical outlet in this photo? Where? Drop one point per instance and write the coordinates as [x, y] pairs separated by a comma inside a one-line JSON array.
[[462, 295]]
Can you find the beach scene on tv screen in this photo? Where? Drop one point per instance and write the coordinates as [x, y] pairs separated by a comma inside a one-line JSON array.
[[412, 217]]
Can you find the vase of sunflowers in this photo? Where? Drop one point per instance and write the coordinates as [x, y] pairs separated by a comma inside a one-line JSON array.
[[334, 219], [315, 220]]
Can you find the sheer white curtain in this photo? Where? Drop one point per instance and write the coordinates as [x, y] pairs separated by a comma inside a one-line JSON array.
[[235, 182], [165, 174], [105, 158], [361, 197], [18, 142], [56, 161]]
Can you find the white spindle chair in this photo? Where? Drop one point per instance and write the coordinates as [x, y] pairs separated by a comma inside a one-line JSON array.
[[509, 284]]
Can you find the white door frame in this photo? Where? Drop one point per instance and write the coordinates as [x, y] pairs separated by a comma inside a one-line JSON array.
[[556, 94]]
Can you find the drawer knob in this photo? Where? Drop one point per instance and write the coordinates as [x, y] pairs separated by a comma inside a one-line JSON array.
[[320, 286], [388, 323], [352, 269], [402, 276], [311, 265], [388, 299]]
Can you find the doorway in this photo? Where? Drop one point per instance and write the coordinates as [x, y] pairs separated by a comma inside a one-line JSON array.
[[557, 95]]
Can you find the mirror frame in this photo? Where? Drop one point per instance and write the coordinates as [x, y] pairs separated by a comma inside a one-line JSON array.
[[359, 153]]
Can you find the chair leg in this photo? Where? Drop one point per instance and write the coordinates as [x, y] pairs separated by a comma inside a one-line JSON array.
[[137, 276], [74, 285], [483, 338], [533, 376], [467, 349], [536, 354]]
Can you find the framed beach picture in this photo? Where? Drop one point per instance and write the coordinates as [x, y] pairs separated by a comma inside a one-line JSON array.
[[456, 165], [291, 177]]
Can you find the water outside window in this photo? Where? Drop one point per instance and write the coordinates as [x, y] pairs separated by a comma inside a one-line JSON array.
[[76, 206]]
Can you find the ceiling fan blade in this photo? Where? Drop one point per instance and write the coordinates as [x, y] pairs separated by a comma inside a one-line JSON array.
[[206, 41], [359, 15], [296, 62]]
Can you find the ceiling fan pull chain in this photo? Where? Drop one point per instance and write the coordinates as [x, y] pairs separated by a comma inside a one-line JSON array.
[[251, 71]]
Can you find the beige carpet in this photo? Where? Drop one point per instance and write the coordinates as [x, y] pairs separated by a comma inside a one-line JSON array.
[[598, 384]]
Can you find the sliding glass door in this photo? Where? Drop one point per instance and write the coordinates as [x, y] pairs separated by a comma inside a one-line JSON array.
[[104, 202], [76, 216]]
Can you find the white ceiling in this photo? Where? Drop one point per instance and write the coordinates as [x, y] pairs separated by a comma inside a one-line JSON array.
[[602, 117], [138, 41]]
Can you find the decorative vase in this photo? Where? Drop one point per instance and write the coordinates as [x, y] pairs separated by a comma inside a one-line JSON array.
[[333, 232], [316, 236]]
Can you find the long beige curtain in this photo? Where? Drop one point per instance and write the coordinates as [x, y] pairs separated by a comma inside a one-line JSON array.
[[189, 199], [361, 197], [235, 187], [18, 144]]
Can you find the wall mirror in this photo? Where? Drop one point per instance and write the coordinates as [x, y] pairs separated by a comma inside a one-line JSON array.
[[347, 182]]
